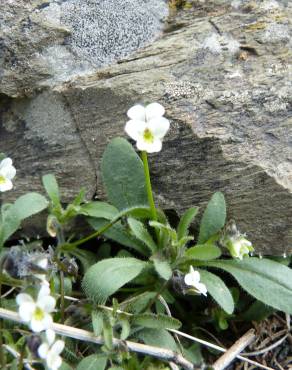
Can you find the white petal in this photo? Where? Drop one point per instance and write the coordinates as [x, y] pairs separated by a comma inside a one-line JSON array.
[[195, 276], [202, 288], [153, 147], [23, 298], [58, 347], [51, 335], [5, 162], [47, 321], [43, 263], [159, 127], [37, 325], [47, 303], [135, 129], [43, 350], [26, 311], [7, 185], [189, 280], [53, 361], [9, 172], [44, 292], [154, 110], [137, 112]]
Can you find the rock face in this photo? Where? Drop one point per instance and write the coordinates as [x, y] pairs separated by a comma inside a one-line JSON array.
[[222, 69]]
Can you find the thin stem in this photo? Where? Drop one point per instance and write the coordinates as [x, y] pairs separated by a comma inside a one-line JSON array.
[[62, 297], [91, 236], [148, 186]]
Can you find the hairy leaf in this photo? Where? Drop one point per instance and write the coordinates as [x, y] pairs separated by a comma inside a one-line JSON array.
[[157, 338], [106, 277], [213, 218], [52, 188], [119, 234], [123, 175], [266, 280], [142, 234], [150, 320], [138, 303], [99, 210], [203, 252], [162, 267], [30, 204], [185, 222], [93, 362], [218, 290]]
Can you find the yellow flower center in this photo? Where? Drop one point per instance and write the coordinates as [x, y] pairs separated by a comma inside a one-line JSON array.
[[2, 180], [39, 314], [148, 136]]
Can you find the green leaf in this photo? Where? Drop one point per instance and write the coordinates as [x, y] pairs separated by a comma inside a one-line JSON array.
[[52, 188], [185, 222], [213, 218], [10, 222], [218, 290], [158, 338], [152, 321], [258, 311], [65, 366], [266, 280], [97, 322], [99, 210], [107, 332], [119, 234], [123, 175], [106, 277], [203, 252], [162, 267], [93, 362], [142, 234], [126, 329], [138, 303], [30, 204]]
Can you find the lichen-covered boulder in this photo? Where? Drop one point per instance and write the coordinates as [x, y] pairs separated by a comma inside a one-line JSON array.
[[222, 70]]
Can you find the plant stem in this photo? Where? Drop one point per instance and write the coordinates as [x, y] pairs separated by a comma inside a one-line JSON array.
[[148, 186], [62, 295], [91, 236]]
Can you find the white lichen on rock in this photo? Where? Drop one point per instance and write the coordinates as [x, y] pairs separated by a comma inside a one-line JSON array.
[[219, 43], [107, 30], [276, 33]]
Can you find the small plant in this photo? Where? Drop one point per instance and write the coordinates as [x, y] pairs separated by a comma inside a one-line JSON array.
[[130, 291]]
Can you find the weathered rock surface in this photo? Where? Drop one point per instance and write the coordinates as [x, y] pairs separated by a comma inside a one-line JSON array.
[[222, 70]]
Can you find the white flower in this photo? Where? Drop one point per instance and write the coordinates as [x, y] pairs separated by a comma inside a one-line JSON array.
[[147, 126], [37, 313], [239, 247], [7, 172], [193, 279], [43, 263], [50, 350]]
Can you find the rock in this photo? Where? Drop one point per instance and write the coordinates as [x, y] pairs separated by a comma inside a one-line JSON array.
[[222, 71], [47, 42]]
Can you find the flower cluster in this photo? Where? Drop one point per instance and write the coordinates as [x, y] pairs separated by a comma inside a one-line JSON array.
[[37, 314], [236, 243], [147, 126]]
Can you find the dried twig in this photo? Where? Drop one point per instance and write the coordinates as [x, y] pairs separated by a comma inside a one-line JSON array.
[[234, 350], [218, 348], [86, 336]]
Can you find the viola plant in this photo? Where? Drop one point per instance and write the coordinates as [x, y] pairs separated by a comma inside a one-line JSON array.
[[128, 280]]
